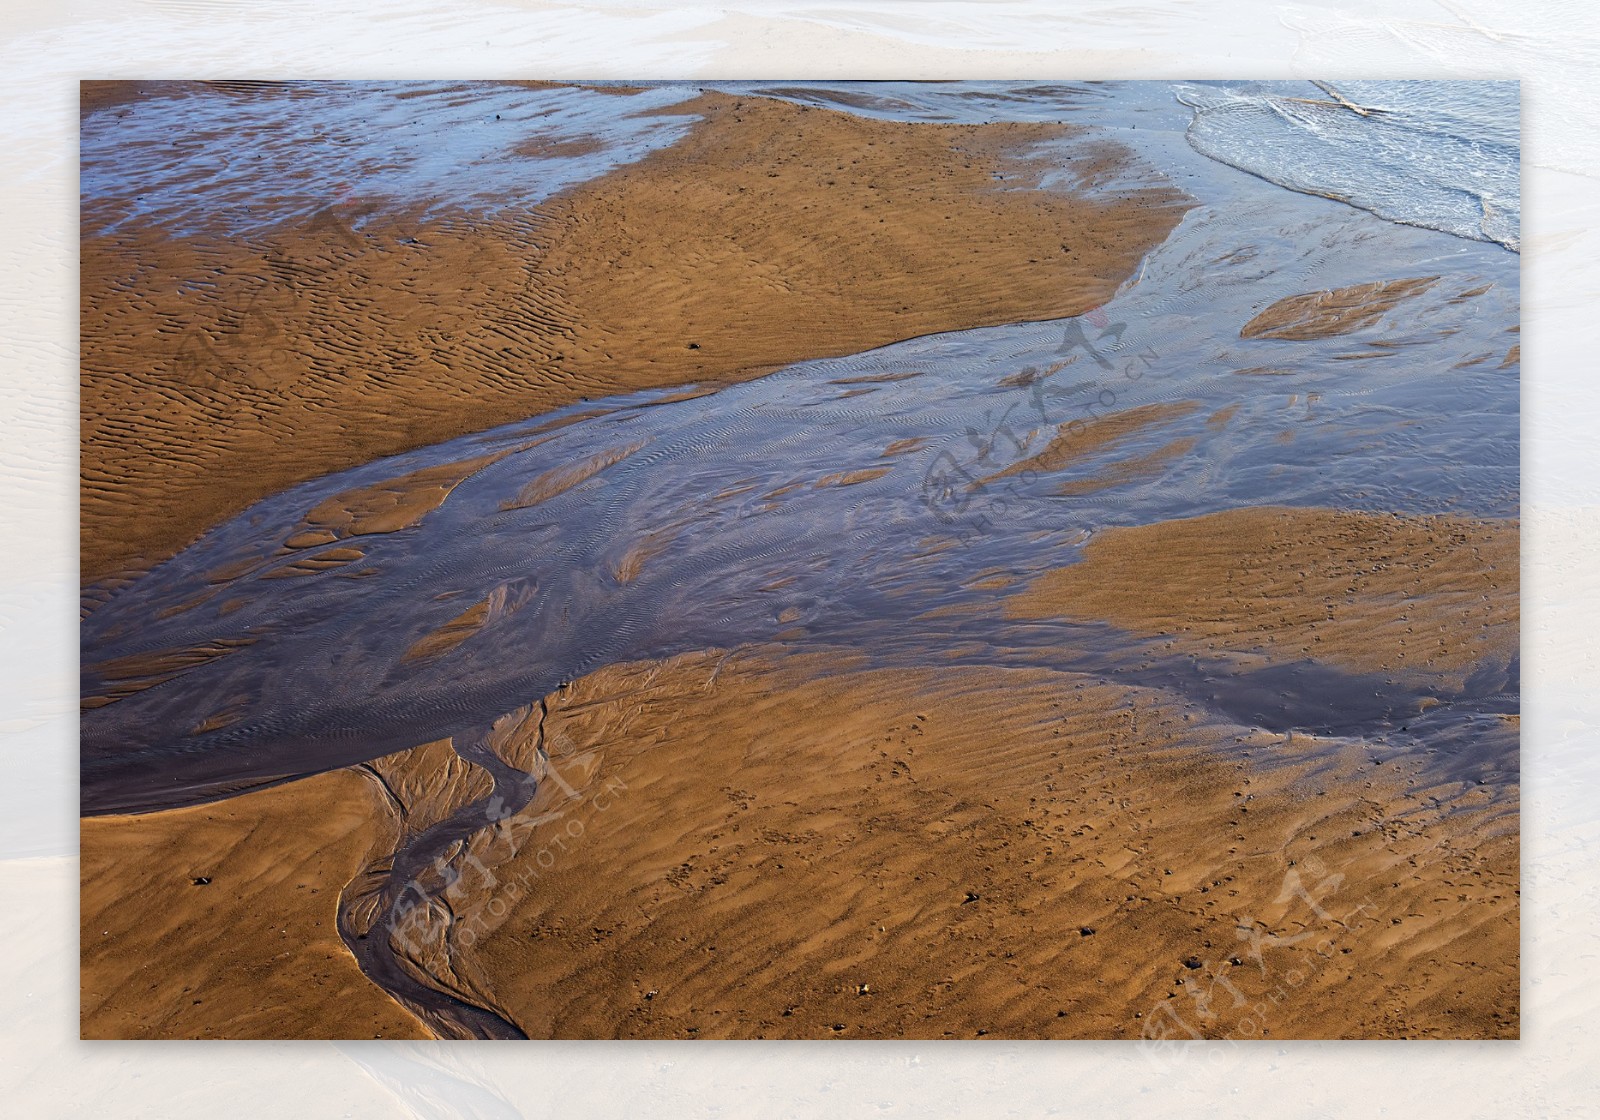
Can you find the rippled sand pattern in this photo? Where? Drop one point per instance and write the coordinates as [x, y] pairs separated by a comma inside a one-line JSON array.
[[1014, 611], [883, 879], [1371, 593], [424, 299], [556, 510]]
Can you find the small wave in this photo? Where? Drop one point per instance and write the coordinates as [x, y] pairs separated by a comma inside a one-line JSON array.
[[1441, 155]]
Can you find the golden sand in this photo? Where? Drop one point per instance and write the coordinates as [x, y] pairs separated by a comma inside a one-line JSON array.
[[772, 233], [252, 952], [1368, 592], [755, 846], [833, 851]]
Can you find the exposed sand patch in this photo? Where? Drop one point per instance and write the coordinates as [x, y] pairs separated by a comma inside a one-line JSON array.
[[902, 446], [1028, 375], [124, 676], [877, 378], [1329, 313], [550, 146], [1367, 592], [852, 478], [1123, 471], [505, 600], [216, 371], [253, 953], [948, 853], [559, 480], [323, 561], [1078, 438], [725, 848], [639, 552], [450, 635], [388, 506]]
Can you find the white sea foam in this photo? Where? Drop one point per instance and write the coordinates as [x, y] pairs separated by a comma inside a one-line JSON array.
[[1442, 155]]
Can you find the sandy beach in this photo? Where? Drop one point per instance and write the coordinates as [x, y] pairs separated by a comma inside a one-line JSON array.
[[866, 876], [772, 233], [754, 635]]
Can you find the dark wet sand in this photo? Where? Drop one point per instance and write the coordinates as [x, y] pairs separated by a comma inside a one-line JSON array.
[[217, 370], [766, 845], [903, 853], [859, 854]]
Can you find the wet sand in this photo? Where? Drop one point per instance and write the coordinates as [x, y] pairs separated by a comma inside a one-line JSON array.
[[253, 951], [765, 842], [866, 853], [219, 369], [839, 851], [954, 853], [1331, 313], [1364, 592]]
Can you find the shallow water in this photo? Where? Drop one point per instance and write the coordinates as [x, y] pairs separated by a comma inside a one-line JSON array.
[[846, 505], [1444, 155], [247, 156], [772, 510]]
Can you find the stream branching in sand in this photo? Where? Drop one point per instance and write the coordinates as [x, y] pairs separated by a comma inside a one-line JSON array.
[[1252, 513]]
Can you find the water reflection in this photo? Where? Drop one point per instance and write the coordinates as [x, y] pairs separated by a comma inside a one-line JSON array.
[[834, 501]]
